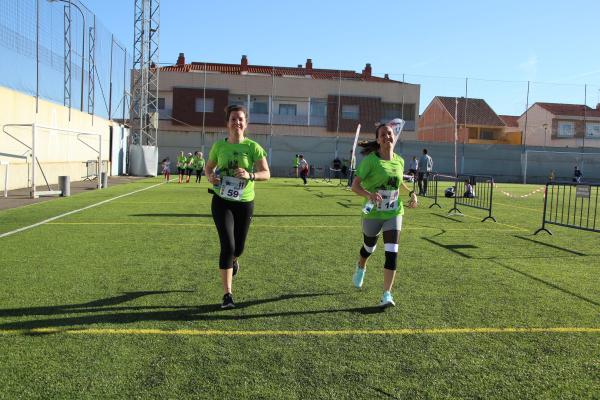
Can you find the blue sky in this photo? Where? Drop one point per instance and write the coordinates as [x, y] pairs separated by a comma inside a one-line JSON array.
[[498, 45]]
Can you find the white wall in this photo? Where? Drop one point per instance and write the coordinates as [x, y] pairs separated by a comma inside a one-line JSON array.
[[59, 153]]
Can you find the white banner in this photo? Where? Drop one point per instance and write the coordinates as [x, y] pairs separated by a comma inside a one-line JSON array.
[[353, 159]]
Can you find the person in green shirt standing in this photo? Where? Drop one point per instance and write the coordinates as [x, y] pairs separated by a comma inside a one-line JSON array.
[[181, 165], [296, 164], [189, 167], [378, 179], [198, 165], [240, 162]]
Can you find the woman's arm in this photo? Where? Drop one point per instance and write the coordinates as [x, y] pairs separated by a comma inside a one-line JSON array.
[[359, 190], [209, 171], [262, 171], [414, 201]]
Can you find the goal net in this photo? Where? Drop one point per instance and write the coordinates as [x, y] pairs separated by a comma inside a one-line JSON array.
[[39, 154]]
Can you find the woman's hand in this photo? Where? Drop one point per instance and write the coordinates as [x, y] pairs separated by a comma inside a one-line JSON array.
[[414, 201], [241, 173], [375, 197], [214, 179]]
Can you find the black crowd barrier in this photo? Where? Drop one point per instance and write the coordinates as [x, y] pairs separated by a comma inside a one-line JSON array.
[[427, 187], [572, 205], [480, 195]]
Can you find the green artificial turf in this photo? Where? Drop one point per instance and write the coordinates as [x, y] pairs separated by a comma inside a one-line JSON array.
[[86, 300]]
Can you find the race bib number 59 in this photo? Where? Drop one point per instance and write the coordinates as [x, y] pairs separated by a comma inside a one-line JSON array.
[[390, 200], [232, 188]]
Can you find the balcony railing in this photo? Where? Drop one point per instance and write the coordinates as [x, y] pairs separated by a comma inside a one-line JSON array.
[[290, 119], [318, 121], [256, 118]]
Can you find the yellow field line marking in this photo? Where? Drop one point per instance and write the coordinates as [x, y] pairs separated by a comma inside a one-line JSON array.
[[278, 226], [341, 332]]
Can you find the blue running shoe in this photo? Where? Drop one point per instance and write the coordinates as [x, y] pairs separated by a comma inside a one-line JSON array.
[[358, 277], [387, 300]]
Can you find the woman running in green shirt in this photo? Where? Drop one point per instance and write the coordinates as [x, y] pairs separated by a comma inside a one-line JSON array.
[[241, 161], [198, 165], [378, 179], [181, 163]]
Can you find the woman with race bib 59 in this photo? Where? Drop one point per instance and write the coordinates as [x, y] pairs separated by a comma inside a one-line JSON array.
[[378, 179], [240, 162]]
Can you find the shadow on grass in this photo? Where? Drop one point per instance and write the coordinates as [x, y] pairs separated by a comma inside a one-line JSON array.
[[96, 305], [116, 315], [446, 217], [550, 284], [254, 216], [382, 392], [453, 247], [550, 245], [347, 203]]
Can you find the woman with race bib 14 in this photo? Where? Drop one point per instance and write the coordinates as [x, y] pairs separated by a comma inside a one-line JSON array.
[[378, 179], [240, 162]]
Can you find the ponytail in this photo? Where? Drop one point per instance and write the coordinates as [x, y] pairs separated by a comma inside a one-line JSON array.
[[368, 147]]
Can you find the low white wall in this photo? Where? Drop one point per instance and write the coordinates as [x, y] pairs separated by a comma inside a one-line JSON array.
[[59, 153]]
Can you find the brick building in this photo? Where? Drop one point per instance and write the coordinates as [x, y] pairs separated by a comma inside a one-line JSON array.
[[302, 100], [475, 120]]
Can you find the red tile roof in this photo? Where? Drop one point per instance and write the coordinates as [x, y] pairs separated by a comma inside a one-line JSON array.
[[571, 110], [510, 120], [236, 69], [478, 111]]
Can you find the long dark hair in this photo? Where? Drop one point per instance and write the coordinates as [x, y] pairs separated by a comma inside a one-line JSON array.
[[370, 146]]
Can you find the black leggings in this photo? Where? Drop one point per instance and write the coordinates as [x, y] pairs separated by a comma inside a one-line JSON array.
[[198, 175], [304, 175], [232, 219]]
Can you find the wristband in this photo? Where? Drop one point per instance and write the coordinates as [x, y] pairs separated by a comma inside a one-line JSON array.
[[252, 176]]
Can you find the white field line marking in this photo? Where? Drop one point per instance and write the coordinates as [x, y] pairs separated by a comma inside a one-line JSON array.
[[75, 211], [341, 332]]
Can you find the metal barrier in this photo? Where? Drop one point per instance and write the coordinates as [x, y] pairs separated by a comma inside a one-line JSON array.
[[430, 188], [476, 191], [573, 205], [91, 169]]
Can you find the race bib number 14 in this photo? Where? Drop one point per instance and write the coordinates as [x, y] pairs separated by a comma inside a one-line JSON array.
[[232, 188], [390, 200]]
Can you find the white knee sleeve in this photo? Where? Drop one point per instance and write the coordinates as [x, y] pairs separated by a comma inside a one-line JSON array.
[[391, 247]]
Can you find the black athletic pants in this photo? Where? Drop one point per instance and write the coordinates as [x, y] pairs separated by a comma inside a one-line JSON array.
[[198, 175], [304, 175], [422, 180], [232, 219]]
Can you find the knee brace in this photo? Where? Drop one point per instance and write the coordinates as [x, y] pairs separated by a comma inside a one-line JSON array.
[[391, 256], [368, 247]]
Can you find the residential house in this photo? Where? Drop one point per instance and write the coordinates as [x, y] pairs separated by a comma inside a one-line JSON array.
[[302, 100], [473, 120], [561, 125], [512, 132]]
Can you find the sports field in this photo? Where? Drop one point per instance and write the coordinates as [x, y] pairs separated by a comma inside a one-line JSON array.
[[121, 300]]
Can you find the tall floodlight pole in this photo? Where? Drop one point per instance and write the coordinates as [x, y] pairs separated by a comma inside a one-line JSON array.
[[144, 104]]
